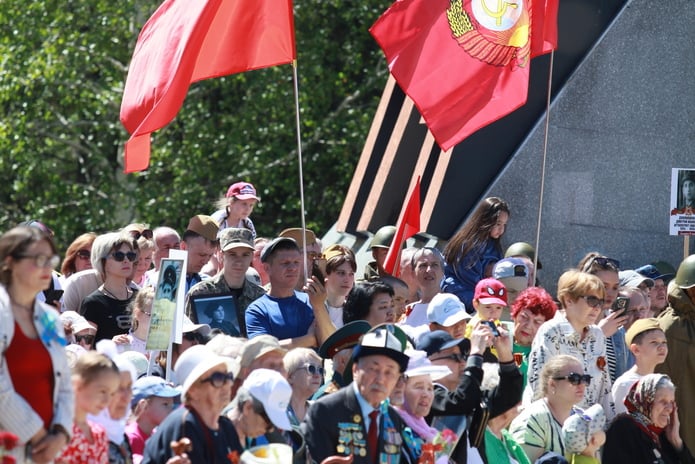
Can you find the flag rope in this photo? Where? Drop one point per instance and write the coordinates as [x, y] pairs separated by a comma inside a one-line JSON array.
[[545, 156]]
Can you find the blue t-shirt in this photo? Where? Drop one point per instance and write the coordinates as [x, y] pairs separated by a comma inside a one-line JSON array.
[[282, 318]]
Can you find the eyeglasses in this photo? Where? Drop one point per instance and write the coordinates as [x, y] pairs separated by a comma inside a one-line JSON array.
[[575, 379], [120, 256], [218, 379], [42, 260], [147, 233], [313, 370], [593, 301], [604, 262], [87, 339], [83, 254], [454, 357]]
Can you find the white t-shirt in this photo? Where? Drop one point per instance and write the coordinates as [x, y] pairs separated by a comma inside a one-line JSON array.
[[621, 387]]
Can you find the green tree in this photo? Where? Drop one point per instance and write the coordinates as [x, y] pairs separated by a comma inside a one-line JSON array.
[[61, 82]]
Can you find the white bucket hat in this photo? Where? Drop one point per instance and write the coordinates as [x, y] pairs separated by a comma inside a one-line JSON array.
[[196, 361]]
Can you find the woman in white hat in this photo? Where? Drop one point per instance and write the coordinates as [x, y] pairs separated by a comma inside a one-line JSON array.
[[205, 391]]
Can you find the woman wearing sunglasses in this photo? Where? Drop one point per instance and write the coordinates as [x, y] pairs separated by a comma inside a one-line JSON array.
[[305, 375], [205, 391], [573, 331], [113, 256], [539, 426], [36, 397]]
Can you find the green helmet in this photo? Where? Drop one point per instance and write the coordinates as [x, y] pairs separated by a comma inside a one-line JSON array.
[[383, 237], [521, 249], [685, 277]]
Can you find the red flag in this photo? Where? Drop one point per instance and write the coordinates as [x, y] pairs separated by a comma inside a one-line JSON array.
[[544, 27], [188, 41], [464, 63], [407, 226]]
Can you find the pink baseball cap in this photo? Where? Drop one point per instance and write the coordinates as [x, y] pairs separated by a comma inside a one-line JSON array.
[[491, 291], [242, 191]]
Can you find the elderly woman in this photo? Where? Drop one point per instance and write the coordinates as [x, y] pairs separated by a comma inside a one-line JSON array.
[[573, 332], [539, 426], [529, 311], [206, 390], [371, 302], [418, 395], [36, 397], [78, 255], [305, 375], [648, 432], [113, 256]]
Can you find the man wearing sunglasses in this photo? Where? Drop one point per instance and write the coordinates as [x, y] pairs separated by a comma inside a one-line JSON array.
[[458, 396], [237, 248]]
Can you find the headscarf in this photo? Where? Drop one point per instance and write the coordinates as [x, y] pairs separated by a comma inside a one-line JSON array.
[[639, 402]]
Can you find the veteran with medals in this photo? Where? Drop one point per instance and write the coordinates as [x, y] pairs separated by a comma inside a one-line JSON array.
[[357, 419]]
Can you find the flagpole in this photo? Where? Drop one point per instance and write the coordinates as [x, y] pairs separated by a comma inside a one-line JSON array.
[[545, 155], [300, 161]]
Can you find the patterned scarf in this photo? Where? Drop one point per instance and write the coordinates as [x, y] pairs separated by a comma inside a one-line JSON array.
[[639, 403]]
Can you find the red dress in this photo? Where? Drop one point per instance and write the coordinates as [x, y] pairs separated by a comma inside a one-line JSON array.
[[81, 451], [31, 371]]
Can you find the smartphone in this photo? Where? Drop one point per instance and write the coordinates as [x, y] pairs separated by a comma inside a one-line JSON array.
[[493, 328], [318, 269], [620, 305], [53, 296]]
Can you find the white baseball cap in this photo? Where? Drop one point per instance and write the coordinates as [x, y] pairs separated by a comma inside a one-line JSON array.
[[446, 309], [274, 392]]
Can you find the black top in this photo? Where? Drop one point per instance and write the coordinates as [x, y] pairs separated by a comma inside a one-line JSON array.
[[209, 446], [110, 315], [626, 442]]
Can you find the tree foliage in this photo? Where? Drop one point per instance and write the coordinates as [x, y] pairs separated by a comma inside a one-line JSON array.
[[61, 80]]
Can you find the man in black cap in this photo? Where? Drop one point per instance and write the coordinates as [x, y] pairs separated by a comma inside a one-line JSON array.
[[458, 396], [356, 419]]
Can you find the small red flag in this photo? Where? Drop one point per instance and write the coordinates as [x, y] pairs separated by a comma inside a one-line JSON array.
[[407, 226], [543, 26], [189, 41], [464, 63]]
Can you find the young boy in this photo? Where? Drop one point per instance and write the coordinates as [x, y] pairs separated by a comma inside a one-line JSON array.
[[489, 299], [583, 435], [647, 342], [153, 399]]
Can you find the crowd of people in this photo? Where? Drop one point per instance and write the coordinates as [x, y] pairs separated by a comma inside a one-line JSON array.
[[287, 353]]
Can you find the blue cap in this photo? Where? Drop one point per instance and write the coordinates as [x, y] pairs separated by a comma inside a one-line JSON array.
[[151, 385], [654, 273], [439, 340]]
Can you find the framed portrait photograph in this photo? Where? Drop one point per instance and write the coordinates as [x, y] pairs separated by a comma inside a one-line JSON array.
[[217, 311], [682, 201], [164, 305]]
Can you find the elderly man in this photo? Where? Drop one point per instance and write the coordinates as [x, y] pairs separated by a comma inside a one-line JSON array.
[[428, 266], [356, 419], [237, 248]]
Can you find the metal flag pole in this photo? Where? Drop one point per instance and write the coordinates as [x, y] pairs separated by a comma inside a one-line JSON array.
[[545, 155], [300, 162]]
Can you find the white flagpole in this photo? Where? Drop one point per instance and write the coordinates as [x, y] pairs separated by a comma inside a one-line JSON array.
[[299, 160]]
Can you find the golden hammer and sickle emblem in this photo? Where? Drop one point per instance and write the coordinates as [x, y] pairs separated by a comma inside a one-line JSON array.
[[501, 10]]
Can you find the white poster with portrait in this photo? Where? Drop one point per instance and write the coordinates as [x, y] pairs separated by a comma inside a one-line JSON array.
[[162, 320], [682, 220]]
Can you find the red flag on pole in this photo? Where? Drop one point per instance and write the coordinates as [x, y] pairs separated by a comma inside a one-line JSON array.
[[464, 63], [188, 41], [407, 226]]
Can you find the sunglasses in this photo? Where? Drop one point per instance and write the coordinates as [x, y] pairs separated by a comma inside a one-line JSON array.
[[87, 339], [218, 379], [191, 337], [575, 379], [604, 262], [42, 260], [313, 370], [83, 254], [593, 301], [147, 233], [454, 357], [119, 256]]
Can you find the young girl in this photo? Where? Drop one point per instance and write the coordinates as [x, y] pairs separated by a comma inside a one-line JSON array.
[[473, 250], [95, 379], [141, 311]]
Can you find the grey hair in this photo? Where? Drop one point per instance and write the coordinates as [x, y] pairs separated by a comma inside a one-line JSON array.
[[106, 243], [297, 357], [491, 377]]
